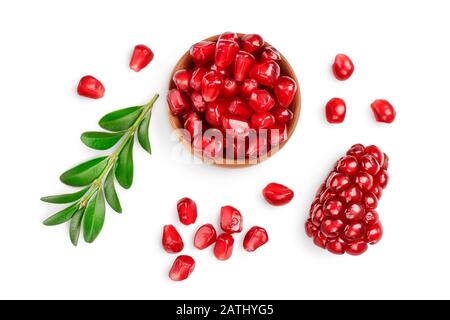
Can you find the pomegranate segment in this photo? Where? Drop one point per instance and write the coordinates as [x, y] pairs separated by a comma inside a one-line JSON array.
[[205, 236], [182, 268], [277, 194], [342, 217], [255, 238], [142, 56], [187, 211], [171, 239], [224, 246], [231, 220], [90, 87]]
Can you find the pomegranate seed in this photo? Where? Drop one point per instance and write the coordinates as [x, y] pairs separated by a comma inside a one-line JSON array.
[[277, 134], [377, 191], [357, 151], [374, 233], [226, 51], [205, 236], [317, 216], [336, 246], [357, 248], [90, 87], [210, 143], [262, 120], [343, 67], [364, 181], [182, 268], [230, 87], [212, 84], [333, 207], [142, 56], [179, 103], [385, 162], [202, 52], [326, 194], [255, 238], [382, 179], [239, 107], [193, 124], [355, 212], [383, 111], [266, 73], [181, 78], [198, 104], [247, 88], [277, 194], [370, 201], [352, 195], [337, 182], [270, 53], [196, 80], [282, 115], [224, 246], [171, 239], [335, 110], [257, 147], [320, 240], [214, 112], [348, 165], [285, 90], [354, 231], [261, 100], [252, 42], [370, 218], [369, 164], [311, 229], [375, 152], [229, 36], [225, 72], [235, 125], [332, 227], [243, 63], [230, 219], [187, 211]]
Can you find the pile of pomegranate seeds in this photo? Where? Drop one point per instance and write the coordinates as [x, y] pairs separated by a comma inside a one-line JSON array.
[[236, 89], [231, 222], [342, 216]]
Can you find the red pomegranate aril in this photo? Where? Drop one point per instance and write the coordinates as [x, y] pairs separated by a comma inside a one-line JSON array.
[[369, 164], [198, 104], [357, 248], [338, 182], [326, 194], [285, 89], [320, 240], [282, 115], [187, 211], [375, 152], [243, 63], [252, 42], [231, 220], [257, 146], [179, 103], [255, 238], [335, 110], [262, 120], [239, 107], [181, 78], [230, 88], [377, 191], [370, 218], [247, 87], [317, 216], [277, 194], [90, 87], [370, 201], [235, 126], [202, 52], [225, 72], [383, 111], [332, 227], [385, 164], [266, 73], [210, 143], [355, 212], [343, 67], [382, 179], [374, 233], [193, 124], [261, 100], [354, 231], [351, 195], [214, 112], [212, 84], [142, 56], [197, 77], [171, 239], [270, 53], [333, 208], [226, 51], [310, 229], [232, 36], [348, 165], [357, 151], [205, 236], [277, 134], [182, 268], [336, 246], [224, 246], [364, 181]]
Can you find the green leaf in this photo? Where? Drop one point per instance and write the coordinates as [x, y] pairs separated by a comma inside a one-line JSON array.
[[143, 133], [65, 198], [120, 120], [62, 216], [124, 169], [75, 226], [101, 140], [83, 174], [94, 217], [110, 192]]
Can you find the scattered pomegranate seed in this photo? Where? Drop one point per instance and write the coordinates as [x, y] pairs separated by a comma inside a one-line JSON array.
[[343, 67], [205, 236], [226, 51], [230, 219], [171, 239], [266, 73], [202, 52], [270, 53], [285, 90], [187, 211], [224, 246], [335, 110], [212, 84], [255, 238], [242, 65], [261, 100], [142, 56], [277, 194], [383, 111], [182, 268], [252, 42], [342, 216], [90, 87], [179, 103], [181, 78]]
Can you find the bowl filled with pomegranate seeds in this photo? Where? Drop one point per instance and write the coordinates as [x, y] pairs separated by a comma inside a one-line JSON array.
[[233, 100]]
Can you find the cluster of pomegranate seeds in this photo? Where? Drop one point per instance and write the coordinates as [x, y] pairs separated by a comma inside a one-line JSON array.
[[342, 217], [277, 194], [234, 88], [90, 87]]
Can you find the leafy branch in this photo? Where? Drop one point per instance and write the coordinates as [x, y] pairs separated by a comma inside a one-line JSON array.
[[97, 176]]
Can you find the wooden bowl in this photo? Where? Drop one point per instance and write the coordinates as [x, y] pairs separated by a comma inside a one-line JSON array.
[[286, 69]]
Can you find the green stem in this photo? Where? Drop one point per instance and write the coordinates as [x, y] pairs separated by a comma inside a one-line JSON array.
[[114, 156]]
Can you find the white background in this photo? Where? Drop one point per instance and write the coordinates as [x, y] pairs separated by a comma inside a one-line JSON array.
[[401, 52]]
